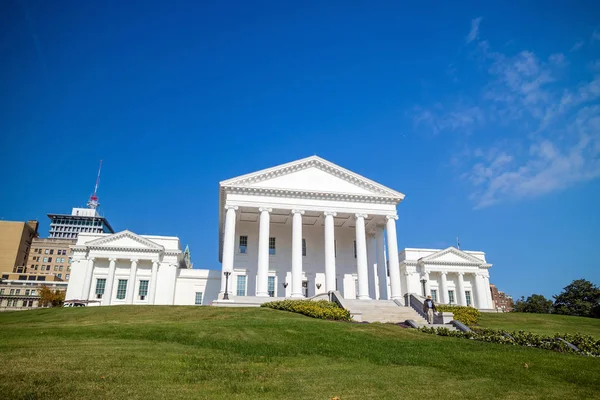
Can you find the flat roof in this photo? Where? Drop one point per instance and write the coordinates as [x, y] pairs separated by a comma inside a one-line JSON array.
[[69, 216]]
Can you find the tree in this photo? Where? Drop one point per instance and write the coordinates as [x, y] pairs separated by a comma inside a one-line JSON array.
[[581, 298], [54, 298], [536, 303]]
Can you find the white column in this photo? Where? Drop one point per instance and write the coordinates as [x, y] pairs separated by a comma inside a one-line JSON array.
[[372, 265], [153, 282], [392, 244], [89, 274], [381, 265], [329, 251], [262, 279], [297, 253], [488, 292], [408, 278], [443, 288], [131, 282], [479, 289], [461, 297], [107, 300], [228, 244], [427, 284], [361, 258]]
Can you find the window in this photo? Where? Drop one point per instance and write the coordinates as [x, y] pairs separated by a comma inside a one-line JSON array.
[[45, 259], [241, 285], [51, 251], [33, 292], [41, 278], [35, 250], [49, 259], [198, 301], [27, 292], [355, 249], [4, 276], [60, 276], [304, 247], [143, 290], [60, 268], [451, 297], [100, 285], [47, 251], [271, 286], [30, 303], [243, 244], [1, 291], [22, 277], [18, 291], [56, 267], [272, 246], [122, 289], [434, 295], [468, 297], [67, 276]]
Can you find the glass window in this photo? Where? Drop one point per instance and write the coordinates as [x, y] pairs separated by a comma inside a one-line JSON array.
[[56, 267], [46, 251], [434, 295], [198, 298], [304, 247], [271, 286], [468, 297], [45, 259], [49, 259], [1, 291], [18, 291], [67, 276], [143, 289], [12, 291], [100, 285], [33, 292], [450, 296], [243, 244], [27, 292], [272, 246], [51, 251], [60, 276], [122, 289], [60, 268], [241, 285]]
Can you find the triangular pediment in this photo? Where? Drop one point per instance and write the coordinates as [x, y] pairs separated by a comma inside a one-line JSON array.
[[313, 174], [124, 239], [451, 255]]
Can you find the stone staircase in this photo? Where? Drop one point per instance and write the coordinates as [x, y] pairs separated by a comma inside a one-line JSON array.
[[382, 311]]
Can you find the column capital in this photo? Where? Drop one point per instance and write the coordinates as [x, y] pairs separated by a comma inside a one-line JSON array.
[[332, 213], [230, 207], [443, 273], [357, 216], [261, 209], [301, 212], [92, 259], [112, 259], [134, 260], [391, 216], [155, 261], [460, 273]]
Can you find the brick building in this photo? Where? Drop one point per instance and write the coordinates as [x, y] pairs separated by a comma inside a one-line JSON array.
[[501, 300], [15, 242]]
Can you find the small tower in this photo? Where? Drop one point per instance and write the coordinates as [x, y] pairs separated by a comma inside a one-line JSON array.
[[187, 258], [93, 201]]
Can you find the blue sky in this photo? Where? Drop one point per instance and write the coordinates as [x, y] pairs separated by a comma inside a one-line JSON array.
[[486, 117]]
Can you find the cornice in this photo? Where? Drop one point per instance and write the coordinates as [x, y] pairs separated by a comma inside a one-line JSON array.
[[310, 194]]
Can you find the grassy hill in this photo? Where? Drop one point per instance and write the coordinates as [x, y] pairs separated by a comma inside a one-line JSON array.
[[158, 352], [546, 324]]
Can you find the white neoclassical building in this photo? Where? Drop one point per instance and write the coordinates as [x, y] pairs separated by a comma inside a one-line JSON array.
[[295, 230]]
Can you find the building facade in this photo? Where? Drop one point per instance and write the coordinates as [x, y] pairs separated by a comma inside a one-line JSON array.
[[86, 220], [50, 257], [21, 291], [15, 243], [126, 268], [501, 300], [293, 231]]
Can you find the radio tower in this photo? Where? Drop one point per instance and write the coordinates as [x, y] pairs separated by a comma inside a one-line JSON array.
[[93, 201]]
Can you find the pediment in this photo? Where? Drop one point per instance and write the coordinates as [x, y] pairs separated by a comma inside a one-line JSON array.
[[313, 174], [451, 255], [124, 239]]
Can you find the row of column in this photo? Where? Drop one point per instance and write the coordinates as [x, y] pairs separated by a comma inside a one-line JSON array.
[[329, 226], [481, 295], [108, 289]]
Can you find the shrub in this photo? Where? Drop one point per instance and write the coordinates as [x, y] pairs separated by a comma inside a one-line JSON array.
[[322, 309], [467, 315], [587, 344]]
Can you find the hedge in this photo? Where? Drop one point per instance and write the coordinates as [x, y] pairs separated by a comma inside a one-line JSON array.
[[322, 309], [467, 315], [586, 344]]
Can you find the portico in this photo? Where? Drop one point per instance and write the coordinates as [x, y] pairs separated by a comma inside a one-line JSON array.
[[309, 225]]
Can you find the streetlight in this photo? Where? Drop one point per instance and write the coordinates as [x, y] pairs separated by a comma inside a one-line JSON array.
[[423, 281], [226, 295]]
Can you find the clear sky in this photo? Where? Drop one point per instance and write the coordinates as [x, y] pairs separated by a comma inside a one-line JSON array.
[[486, 116]]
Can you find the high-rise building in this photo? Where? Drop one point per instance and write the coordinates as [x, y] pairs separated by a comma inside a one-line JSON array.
[[15, 242], [50, 257], [64, 226]]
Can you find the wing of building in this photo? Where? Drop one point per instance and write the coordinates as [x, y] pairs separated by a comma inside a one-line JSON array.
[[295, 230]]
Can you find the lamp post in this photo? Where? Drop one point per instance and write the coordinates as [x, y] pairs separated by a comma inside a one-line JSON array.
[[226, 295], [423, 281]]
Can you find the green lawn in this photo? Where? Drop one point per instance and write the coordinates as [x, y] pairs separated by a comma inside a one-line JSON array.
[[546, 324], [159, 352]]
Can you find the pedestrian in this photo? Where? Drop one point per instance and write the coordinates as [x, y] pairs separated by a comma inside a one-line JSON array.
[[429, 308]]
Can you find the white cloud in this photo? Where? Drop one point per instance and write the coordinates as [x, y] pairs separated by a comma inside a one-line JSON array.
[[474, 33], [578, 45], [459, 118]]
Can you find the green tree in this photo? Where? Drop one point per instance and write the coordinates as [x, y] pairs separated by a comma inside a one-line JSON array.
[[581, 298], [536, 303], [54, 298]]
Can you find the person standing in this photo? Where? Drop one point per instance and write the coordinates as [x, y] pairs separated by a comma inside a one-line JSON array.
[[429, 308]]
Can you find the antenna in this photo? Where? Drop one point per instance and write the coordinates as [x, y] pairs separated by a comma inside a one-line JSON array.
[[457, 243], [93, 202]]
